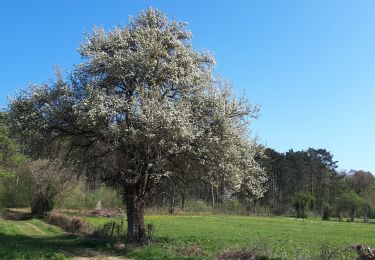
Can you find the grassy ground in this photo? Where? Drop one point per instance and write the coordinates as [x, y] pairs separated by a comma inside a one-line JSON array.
[[193, 237], [34, 239], [281, 236]]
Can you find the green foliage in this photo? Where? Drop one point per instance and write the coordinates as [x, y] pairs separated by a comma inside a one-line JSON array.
[[294, 174], [13, 189], [231, 206], [301, 201], [14, 196], [80, 197], [307, 171], [5, 173], [349, 202], [47, 179], [198, 206]]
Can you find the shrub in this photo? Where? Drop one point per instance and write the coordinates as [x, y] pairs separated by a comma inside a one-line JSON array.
[[14, 192], [71, 224], [47, 180], [241, 254], [191, 250], [231, 206], [198, 206]]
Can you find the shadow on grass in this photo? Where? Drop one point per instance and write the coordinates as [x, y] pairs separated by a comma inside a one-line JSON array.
[[56, 247], [70, 246], [10, 214]]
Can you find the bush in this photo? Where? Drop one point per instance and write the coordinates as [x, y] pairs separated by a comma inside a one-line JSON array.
[[14, 193], [198, 206], [259, 250], [48, 179], [231, 206], [70, 224], [241, 254]]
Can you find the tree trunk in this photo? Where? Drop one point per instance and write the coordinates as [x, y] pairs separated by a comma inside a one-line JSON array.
[[41, 205], [183, 201], [213, 196], [352, 214], [135, 210], [255, 206], [365, 217]]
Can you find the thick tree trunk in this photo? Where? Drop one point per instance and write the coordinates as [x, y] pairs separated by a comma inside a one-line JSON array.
[[135, 210]]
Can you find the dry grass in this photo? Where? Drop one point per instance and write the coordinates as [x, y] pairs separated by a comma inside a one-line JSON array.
[[192, 250], [240, 254], [71, 224]]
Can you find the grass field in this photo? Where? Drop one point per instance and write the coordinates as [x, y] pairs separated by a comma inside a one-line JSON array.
[[281, 236], [176, 237]]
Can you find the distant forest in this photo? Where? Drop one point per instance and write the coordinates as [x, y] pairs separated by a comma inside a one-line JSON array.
[[300, 183]]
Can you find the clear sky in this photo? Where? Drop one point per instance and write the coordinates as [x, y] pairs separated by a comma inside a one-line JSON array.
[[309, 64]]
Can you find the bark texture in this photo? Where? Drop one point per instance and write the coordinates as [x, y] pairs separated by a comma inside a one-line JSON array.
[[135, 210]]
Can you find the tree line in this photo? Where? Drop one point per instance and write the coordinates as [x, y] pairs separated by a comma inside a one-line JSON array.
[[298, 183], [309, 181]]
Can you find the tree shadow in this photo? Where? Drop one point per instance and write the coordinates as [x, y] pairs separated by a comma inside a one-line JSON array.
[[10, 214], [26, 247]]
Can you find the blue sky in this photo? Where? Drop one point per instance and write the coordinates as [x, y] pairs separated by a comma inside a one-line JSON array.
[[309, 64]]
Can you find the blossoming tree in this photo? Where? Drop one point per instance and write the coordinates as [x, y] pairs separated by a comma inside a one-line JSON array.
[[142, 106]]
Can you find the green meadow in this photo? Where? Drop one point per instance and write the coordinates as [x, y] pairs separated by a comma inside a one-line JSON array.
[[279, 236], [192, 237]]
